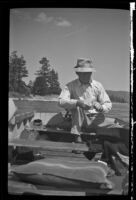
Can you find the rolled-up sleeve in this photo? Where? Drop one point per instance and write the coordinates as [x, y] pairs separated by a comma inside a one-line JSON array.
[[65, 100], [104, 100]]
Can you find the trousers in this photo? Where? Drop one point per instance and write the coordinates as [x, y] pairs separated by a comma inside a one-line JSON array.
[[112, 149], [97, 122]]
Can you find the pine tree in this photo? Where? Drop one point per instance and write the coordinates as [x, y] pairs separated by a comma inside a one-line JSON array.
[[54, 83], [17, 71], [39, 86], [30, 86], [41, 83], [46, 81]]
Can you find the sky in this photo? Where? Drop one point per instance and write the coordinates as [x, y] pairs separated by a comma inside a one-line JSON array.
[[63, 35]]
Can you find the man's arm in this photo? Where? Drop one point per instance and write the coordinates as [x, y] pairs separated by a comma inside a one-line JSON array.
[[103, 103], [104, 100], [65, 100]]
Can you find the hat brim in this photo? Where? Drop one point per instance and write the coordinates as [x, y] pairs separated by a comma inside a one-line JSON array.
[[79, 69]]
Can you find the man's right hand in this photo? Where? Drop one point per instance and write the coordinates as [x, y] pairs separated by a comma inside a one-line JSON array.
[[82, 105]]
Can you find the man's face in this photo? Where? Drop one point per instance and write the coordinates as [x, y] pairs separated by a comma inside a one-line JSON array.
[[84, 77]]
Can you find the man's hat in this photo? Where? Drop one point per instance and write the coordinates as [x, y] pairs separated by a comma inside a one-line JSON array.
[[84, 65]]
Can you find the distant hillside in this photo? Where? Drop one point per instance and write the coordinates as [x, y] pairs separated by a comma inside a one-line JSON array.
[[115, 96], [118, 96]]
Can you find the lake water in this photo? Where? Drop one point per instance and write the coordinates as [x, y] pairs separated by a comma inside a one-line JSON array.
[[119, 110]]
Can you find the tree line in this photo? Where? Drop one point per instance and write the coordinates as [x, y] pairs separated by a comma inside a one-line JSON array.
[[46, 81], [119, 99]]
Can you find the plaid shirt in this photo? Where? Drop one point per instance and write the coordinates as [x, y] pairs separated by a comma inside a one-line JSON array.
[[89, 93]]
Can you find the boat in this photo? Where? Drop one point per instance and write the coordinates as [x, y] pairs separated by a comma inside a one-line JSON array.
[[46, 160]]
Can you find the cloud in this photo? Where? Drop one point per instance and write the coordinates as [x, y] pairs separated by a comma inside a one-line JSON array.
[[42, 17], [59, 21], [62, 22]]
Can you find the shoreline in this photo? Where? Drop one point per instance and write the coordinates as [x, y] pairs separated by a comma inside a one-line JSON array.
[[50, 99]]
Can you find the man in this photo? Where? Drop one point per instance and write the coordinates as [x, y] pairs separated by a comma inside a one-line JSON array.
[[87, 100]]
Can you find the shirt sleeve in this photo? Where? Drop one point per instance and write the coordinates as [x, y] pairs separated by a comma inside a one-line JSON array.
[[104, 99], [65, 100]]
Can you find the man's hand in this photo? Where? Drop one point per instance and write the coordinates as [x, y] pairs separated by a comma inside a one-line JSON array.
[[82, 105], [98, 106]]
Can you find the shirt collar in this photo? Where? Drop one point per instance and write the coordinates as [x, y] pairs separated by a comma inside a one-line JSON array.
[[80, 84]]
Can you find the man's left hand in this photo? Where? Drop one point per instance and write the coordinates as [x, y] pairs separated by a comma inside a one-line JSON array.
[[98, 106]]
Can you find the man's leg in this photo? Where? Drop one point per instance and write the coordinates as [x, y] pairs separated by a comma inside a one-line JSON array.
[[77, 123], [106, 126], [110, 150], [81, 121], [77, 120], [103, 127]]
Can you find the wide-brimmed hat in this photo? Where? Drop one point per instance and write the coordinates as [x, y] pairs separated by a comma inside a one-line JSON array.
[[84, 65]]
